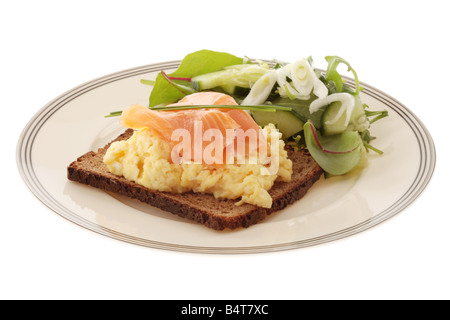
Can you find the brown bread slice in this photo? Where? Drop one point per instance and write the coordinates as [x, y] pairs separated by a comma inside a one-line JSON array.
[[217, 214]]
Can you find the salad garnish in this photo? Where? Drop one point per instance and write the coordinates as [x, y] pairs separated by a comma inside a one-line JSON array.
[[313, 109]]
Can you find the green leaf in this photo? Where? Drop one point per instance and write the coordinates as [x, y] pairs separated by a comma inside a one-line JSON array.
[[204, 61], [182, 88], [333, 75], [337, 154], [164, 92], [194, 64]]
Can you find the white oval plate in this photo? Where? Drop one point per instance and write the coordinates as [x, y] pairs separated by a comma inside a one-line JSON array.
[[74, 123]]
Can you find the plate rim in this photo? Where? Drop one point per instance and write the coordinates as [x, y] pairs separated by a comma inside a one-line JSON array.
[[31, 129]]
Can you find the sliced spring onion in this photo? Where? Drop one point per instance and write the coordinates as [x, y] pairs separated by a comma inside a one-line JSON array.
[[301, 77], [285, 89], [304, 82], [347, 105], [260, 91], [305, 79]]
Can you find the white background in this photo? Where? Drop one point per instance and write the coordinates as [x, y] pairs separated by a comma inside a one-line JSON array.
[[49, 47]]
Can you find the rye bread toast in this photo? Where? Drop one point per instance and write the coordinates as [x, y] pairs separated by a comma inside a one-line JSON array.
[[217, 214]]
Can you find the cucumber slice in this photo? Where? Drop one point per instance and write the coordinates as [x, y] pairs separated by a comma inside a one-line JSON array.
[[285, 121], [329, 126], [235, 90], [240, 91], [244, 75], [229, 88], [211, 80], [301, 109]]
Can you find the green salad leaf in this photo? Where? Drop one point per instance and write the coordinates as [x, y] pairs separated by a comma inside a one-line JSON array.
[[336, 154], [205, 61], [165, 90], [333, 77]]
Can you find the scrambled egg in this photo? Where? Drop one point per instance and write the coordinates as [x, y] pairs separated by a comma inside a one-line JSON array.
[[145, 159]]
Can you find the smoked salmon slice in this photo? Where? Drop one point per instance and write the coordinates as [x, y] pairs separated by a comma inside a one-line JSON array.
[[206, 98], [243, 118], [164, 123]]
